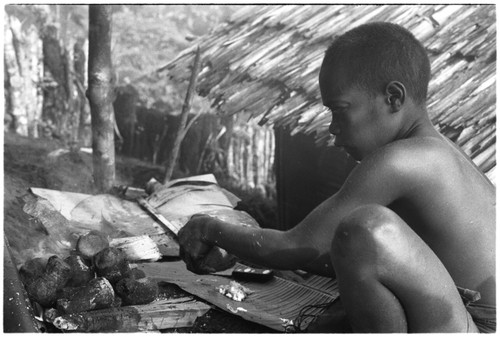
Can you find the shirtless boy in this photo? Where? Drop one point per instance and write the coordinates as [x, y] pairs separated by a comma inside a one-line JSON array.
[[413, 221]]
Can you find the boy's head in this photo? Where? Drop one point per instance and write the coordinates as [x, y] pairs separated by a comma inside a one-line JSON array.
[[374, 54]]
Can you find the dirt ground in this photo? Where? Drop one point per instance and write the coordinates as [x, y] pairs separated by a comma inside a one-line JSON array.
[[27, 163]]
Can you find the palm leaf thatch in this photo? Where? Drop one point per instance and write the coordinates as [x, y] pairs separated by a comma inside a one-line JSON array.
[[265, 62]]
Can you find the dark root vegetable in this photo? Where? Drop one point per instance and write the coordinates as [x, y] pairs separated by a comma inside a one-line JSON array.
[[43, 290], [117, 302], [59, 269], [137, 291], [134, 274], [111, 263], [81, 271], [31, 270], [91, 243], [97, 294], [67, 292]]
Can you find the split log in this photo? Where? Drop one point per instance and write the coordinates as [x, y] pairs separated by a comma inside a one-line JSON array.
[[137, 248]]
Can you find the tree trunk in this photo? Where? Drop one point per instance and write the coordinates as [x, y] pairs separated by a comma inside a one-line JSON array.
[[79, 61], [9, 105], [179, 135], [24, 92], [99, 94]]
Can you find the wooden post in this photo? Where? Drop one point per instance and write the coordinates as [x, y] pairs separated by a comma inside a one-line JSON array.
[[99, 94], [179, 135]]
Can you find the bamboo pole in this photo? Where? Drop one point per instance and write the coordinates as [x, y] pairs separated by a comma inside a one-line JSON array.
[[246, 159], [271, 157], [241, 148], [179, 135], [255, 157], [230, 157]]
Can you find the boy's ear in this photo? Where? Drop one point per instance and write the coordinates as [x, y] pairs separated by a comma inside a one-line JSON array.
[[395, 95]]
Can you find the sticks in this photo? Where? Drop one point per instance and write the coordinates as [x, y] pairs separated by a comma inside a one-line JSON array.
[[172, 157]]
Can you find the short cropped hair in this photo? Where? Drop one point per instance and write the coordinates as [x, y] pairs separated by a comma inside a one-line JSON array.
[[374, 54]]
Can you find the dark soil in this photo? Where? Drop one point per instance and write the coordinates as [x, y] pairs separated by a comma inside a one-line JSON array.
[[27, 164]]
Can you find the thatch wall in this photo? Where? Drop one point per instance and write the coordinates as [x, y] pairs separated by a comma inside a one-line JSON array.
[[265, 62]]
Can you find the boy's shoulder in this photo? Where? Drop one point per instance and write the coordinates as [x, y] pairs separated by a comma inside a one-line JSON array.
[[411, 162], [413, 153]]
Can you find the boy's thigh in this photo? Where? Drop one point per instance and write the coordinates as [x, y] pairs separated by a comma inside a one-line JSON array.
[[395, 256]]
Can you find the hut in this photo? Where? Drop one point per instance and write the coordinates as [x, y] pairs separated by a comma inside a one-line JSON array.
[[262, 65]]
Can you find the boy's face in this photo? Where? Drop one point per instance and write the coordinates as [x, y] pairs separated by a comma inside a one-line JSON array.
[[359, 119]]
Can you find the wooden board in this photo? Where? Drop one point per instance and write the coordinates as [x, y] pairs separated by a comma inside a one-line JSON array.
[[275, 304], [158, 315]]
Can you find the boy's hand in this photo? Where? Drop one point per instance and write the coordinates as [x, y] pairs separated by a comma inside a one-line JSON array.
[[201, 257]]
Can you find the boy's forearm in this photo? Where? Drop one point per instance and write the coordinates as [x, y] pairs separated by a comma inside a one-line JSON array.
[[266, 247]]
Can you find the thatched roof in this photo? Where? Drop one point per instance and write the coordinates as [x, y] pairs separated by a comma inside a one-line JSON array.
[[265, 62]]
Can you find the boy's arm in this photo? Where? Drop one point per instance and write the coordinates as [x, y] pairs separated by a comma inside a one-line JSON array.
[[377, 180], [262, 246]]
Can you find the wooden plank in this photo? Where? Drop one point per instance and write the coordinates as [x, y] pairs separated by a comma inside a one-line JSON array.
[[158, 315]]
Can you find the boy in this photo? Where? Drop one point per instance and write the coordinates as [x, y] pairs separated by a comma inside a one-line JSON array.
[[413, 221]]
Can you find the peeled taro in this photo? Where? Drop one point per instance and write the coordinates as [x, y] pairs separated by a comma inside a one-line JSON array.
[[91, 243]]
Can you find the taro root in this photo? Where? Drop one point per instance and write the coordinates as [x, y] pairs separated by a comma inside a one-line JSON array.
[[97, 294], [137, 291], [111, 263], [67, 292], [81, 271], [31, 270], [60, 269], [134, 274], [43, 290], [117, 302], [91, 243]]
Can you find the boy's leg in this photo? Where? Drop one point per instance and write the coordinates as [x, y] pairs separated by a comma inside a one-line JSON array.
[[390, 280]]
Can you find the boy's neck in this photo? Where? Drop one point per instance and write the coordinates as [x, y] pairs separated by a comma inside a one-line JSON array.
[[420, 126]]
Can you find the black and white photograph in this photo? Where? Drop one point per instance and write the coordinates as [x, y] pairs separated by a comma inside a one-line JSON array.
[[259, 168]]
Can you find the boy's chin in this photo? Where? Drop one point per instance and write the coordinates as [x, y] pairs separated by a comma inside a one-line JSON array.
[[353, 154]]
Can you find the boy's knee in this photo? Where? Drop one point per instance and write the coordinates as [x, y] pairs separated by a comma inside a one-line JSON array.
[[366, 229]]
